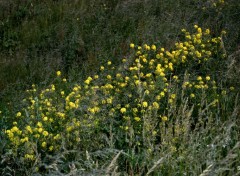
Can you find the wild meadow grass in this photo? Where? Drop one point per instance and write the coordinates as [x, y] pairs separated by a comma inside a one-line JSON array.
[[155, 115], [152, 95]]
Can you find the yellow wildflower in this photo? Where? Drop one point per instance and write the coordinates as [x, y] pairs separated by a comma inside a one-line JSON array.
[[145, 104], [72, 105], [199, 78], [45, 118], [208, 78], [58, 73], [45, 133], [137, 119], [155, 105], [192, 95], [164, 118], [51, 148], [132, 45], [18, 114], [44, 144], [153, 47], [123, 110]]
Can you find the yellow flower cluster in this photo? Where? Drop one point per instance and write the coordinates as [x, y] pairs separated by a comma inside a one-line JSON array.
[[143, 87]]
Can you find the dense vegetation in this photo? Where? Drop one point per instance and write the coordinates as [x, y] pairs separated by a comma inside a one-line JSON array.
[[118, 87]]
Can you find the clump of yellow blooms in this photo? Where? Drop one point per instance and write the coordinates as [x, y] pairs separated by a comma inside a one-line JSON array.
[[142, 88]]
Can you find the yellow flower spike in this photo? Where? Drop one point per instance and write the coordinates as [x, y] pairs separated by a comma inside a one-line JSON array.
[[145, 104], [90, 78], [124, 60], [173, 96], [147, 92], [198, 36], [208, 78], [175, 77], [164, 118], [14, 129], [29, 157], [132, 45], [127, 78], [87, 81], [199, 78], [146, 46], [207, 31], [209, 53], [144, 60], [192, 95], [123, 110], [45, 118], [75, 89], [137, 119], [109, 62], [138, 53], [153, 47], [39, 124], [118, 75], [29, 129], [162, 74], [170, 66], [109, 101], [199, 30], [158, 56], [58, 73], [170, 100], [44, 144], [56, 137], [40, 130], [72, 105], [69, 129], [135, 110], [109, 77], [51, 148], [48, 104], [155, 105], [188, 37], [24, 140], [198, 54], [45, 133], [195, 26], [158, 97], [18, 114], [197, 86], [102, 68]]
